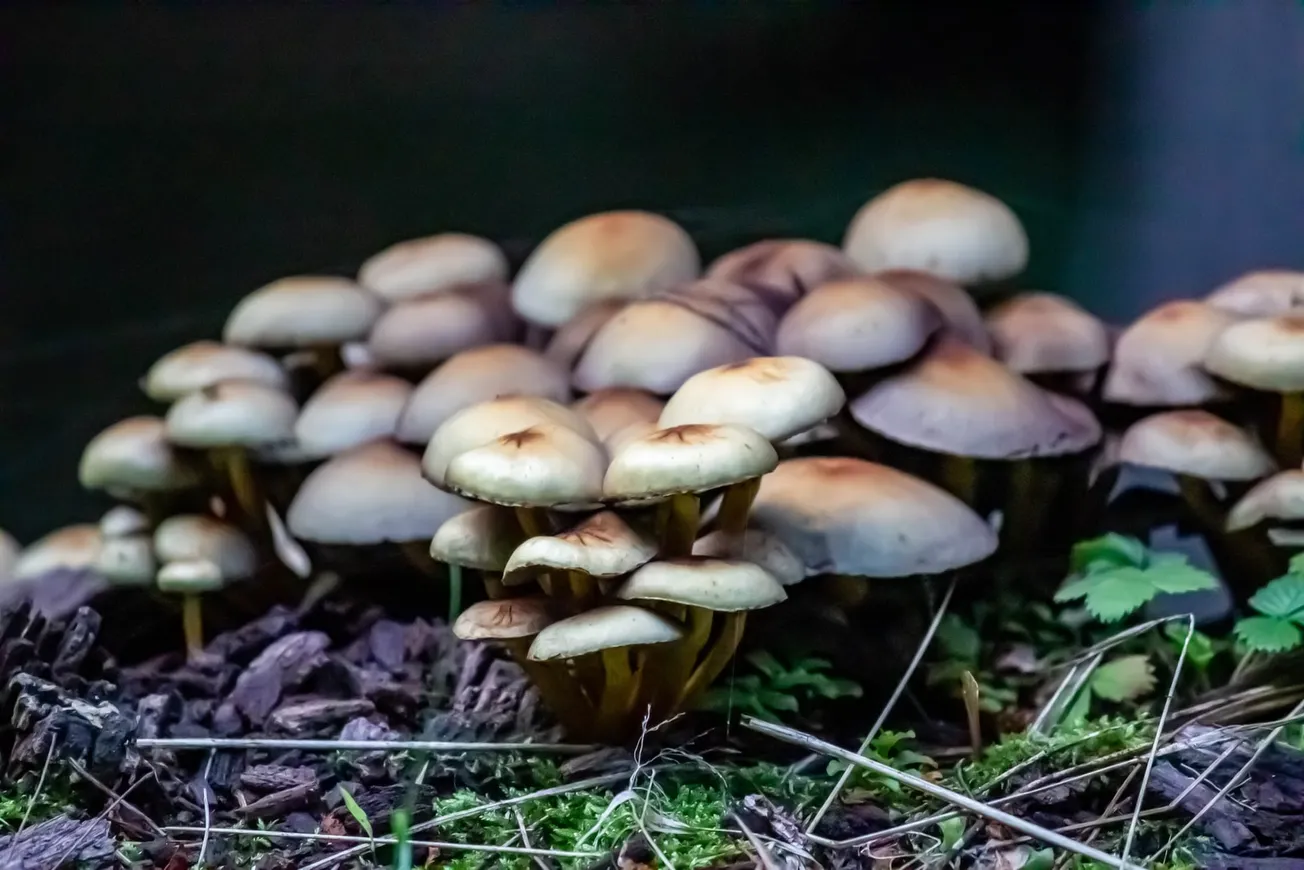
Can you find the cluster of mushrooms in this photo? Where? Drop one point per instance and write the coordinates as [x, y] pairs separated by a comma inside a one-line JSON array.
[[631, 454]]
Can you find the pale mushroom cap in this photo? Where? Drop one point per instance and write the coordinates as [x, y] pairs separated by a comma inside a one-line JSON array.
[[611, 255], [303, 311], [425, 332], [777, 396], [573, 336], [508, 619], [759, 546], [1262, 293], [9, 550], [1037, 333], [481, 539], [655, 346], [127, 560], [1158, 359], [1195, 443], [475, 376], [432, 264], [191, 577], [204, 363], [612, 412], [686, 459], [792, 267], [960, 315], [71, 548], [849, 516], [610, 627], [192, 538], [232, 414], [539, 466], [485, 422], [955, 400], [350, 409], [1266, 354], [941, 227], [121, 521], [602, 546], [369, 495], [716, 584], [133, 456], [858, 324], [1280, 497]]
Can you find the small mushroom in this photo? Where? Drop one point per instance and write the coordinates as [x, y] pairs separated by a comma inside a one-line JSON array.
[[122, 520], [599, 548], [134, 460], [1158, 359], [190, 580], [72, 548], [1051, 340], [572, 337], [200, 554], [540, 466], [443, 263], [349, 410], [787, 268], [482, 539], [127, 560], [1262, 293], [1280, 497], [619, 413], [1268, 354], [417, 335], [204, 363], [960, 315]]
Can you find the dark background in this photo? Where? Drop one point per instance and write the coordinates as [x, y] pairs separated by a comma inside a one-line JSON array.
[[160, 162]]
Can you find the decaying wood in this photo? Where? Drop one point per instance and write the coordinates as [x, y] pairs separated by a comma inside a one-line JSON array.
[[282, 666], [56, 842]]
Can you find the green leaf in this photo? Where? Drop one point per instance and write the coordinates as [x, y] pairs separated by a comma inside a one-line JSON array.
[[1076, 713], [765, 663], [359, 814], [1282, 598], [1171, 573], [1040, 859], [1075, 588], [1124, 679], [1118, 593], [1268, 634], [958, 640], [1107, 551], [1297, 564], [952, 830], [1199, 652], [778, 701], [400, 824]]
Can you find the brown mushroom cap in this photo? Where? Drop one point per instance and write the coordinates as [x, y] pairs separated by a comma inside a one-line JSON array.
[[1266, 354], [507, 619], [1280, 497], [1042, 333], [204, 363], [603, 545], [481, 539], [350, 409], [134, 456], [686, 459], [723, 585], [433, 264], [1157, 360], [955, 400], [1263, 293], [757, 545], [544, 465], [303, 311], [960, 314], [609, 627], [1195, 443], [72, 547], [424, 332]]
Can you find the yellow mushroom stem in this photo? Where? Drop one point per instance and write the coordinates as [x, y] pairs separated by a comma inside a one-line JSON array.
[[493, 585], [673, 662], [557, 688], [680, 529], [618, 690], [734, 507], [534, 522], [717, 659], [1290, 430], [192, 624], [1023, 512], [582, 587], [960, 477], [327, 361], [232, 463]]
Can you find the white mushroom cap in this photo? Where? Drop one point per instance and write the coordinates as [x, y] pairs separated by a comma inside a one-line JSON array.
[[960, 315], [369, 495], [777, 396], [1262, 293], [789, 267], [602, 546], [204, 363], [1038, 333], [1158, 359], [432, 264], [612, 255], [70, 548], [121, 521], [506, 619], [232, 414], [849, 516], [481, 539], [941, 227], [545, 465], [1280, 497], [127, 560], [573, 336], [715, 584], [687, 459], [134, 456], [425, 332], [1266, 354], [350, 409], [303, 311], [757, 545], [191, 577], [475, 376], [614, 411], [1195, 443], [610, 627], [196, 538]]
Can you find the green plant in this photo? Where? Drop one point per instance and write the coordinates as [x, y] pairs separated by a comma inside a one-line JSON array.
[[1126, 678], [962, 648], [1115, 576], [892, 748], [777, 688], [1280, 609], [359, 816]]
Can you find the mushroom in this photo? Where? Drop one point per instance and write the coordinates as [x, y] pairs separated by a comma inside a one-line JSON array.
[[679, 462], [475, 376], [1280, 497], [1157, 360], [960, 315], [757, 545], [573, 337], [483, 539], [416, 335], [618, 414], [200, 554], [72, 548], [127, 560], [790, 268], [938, 226], [122, 520], [610, 255], [1051, 340], [599, 548], [204, 363], [133, 459], [1262, 293], [348, 410], [1268, 354], [430, 265]]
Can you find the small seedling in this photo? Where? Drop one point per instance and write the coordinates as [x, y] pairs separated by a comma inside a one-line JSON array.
[[1116, 576], [359, 816], [778, 688]]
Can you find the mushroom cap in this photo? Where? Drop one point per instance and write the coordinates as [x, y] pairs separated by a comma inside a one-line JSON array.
[[610, 627], [134, 456], [960, 315], [127, 560], [849, 516], [197, 538], [687, 459], [573, 336], [789, 267], [955, 400], [757, 545], [1157, 360], [1266, 354], [485, 422], [857, 324], [777, 396], [1262, 293], [1280, 497], [1195, 443], [427, 331], [190, 577], [544, 465], [432, 264], [617, 412], [611, 255], [725, 585], [938, 226], [121, 521], [481, 539], [1036, 333], [350, 409], [303, 311], [602, 546], [655, 346], [232, 414], [72, 548], [369, 495], [506, 619], [478, 375], [204, 363]]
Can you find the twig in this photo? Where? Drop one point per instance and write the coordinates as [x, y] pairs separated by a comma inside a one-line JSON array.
[[1066, 691], [379, 841], [525, 839], [763, 856], [126, 805], [357, 745], [208, 814], [1117, 799]]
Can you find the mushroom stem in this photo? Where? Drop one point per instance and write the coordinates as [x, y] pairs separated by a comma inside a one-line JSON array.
[[1290, 430], [674, 661], [493, 585], [326, 361], [680, 528], [1253, 564], [192, 623], [1022, 509], [582, 587], [233, 463], [959, 475], [618, 689], [734, 507], [731, 634], [534, 522], [556, 688], [454, 591], [1195, 493]]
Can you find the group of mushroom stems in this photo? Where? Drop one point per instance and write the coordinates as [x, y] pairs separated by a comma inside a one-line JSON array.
[[631, 455]]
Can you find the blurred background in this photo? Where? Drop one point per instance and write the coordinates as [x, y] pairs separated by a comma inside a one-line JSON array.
[[163, 161]]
